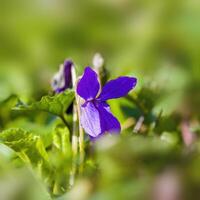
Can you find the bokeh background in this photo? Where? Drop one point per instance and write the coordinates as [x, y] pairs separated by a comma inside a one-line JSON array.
[[149, 39], [157, 41]]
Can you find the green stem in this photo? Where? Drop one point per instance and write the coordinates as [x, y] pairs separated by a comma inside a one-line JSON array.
[[74, 134], [74, 145], [81, 138], [64, 121], [75, 131]]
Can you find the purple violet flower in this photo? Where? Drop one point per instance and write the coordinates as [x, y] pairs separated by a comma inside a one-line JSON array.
[[63, 78], [96, 116]]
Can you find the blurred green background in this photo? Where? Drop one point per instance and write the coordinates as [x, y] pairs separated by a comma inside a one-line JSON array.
[[157, 41]]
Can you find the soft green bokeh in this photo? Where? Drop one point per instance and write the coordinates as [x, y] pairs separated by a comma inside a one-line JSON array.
[[136, 37], [156, 41]]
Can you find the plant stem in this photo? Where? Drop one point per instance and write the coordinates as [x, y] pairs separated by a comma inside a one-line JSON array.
[[64, 121], [74, 134], [74, 146], [81, 138], [81, 132], [75, 130]]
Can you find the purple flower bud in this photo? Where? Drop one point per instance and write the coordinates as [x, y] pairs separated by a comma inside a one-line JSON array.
[[63, 78]]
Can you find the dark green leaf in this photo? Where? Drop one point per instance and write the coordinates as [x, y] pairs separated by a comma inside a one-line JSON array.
[[55, 105]]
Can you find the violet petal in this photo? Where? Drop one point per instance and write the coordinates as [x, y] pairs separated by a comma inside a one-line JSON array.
[[117, 88], [88, 86], [90, 119], [67, 73], [109, 123]]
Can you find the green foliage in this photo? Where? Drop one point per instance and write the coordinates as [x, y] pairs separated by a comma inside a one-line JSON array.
[[29, 147], [52, 165], [5, 109], [56, 105], [160, 46], [61, 140]]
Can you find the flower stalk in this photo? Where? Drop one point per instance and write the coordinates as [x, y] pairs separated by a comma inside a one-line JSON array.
[[81, 138], [74, 134]]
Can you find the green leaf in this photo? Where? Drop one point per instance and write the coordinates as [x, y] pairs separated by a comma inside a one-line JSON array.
[[53, 166], [16, 138], [5, 109], [61, 140], [56, 105], [9, 101], [29, 147]]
